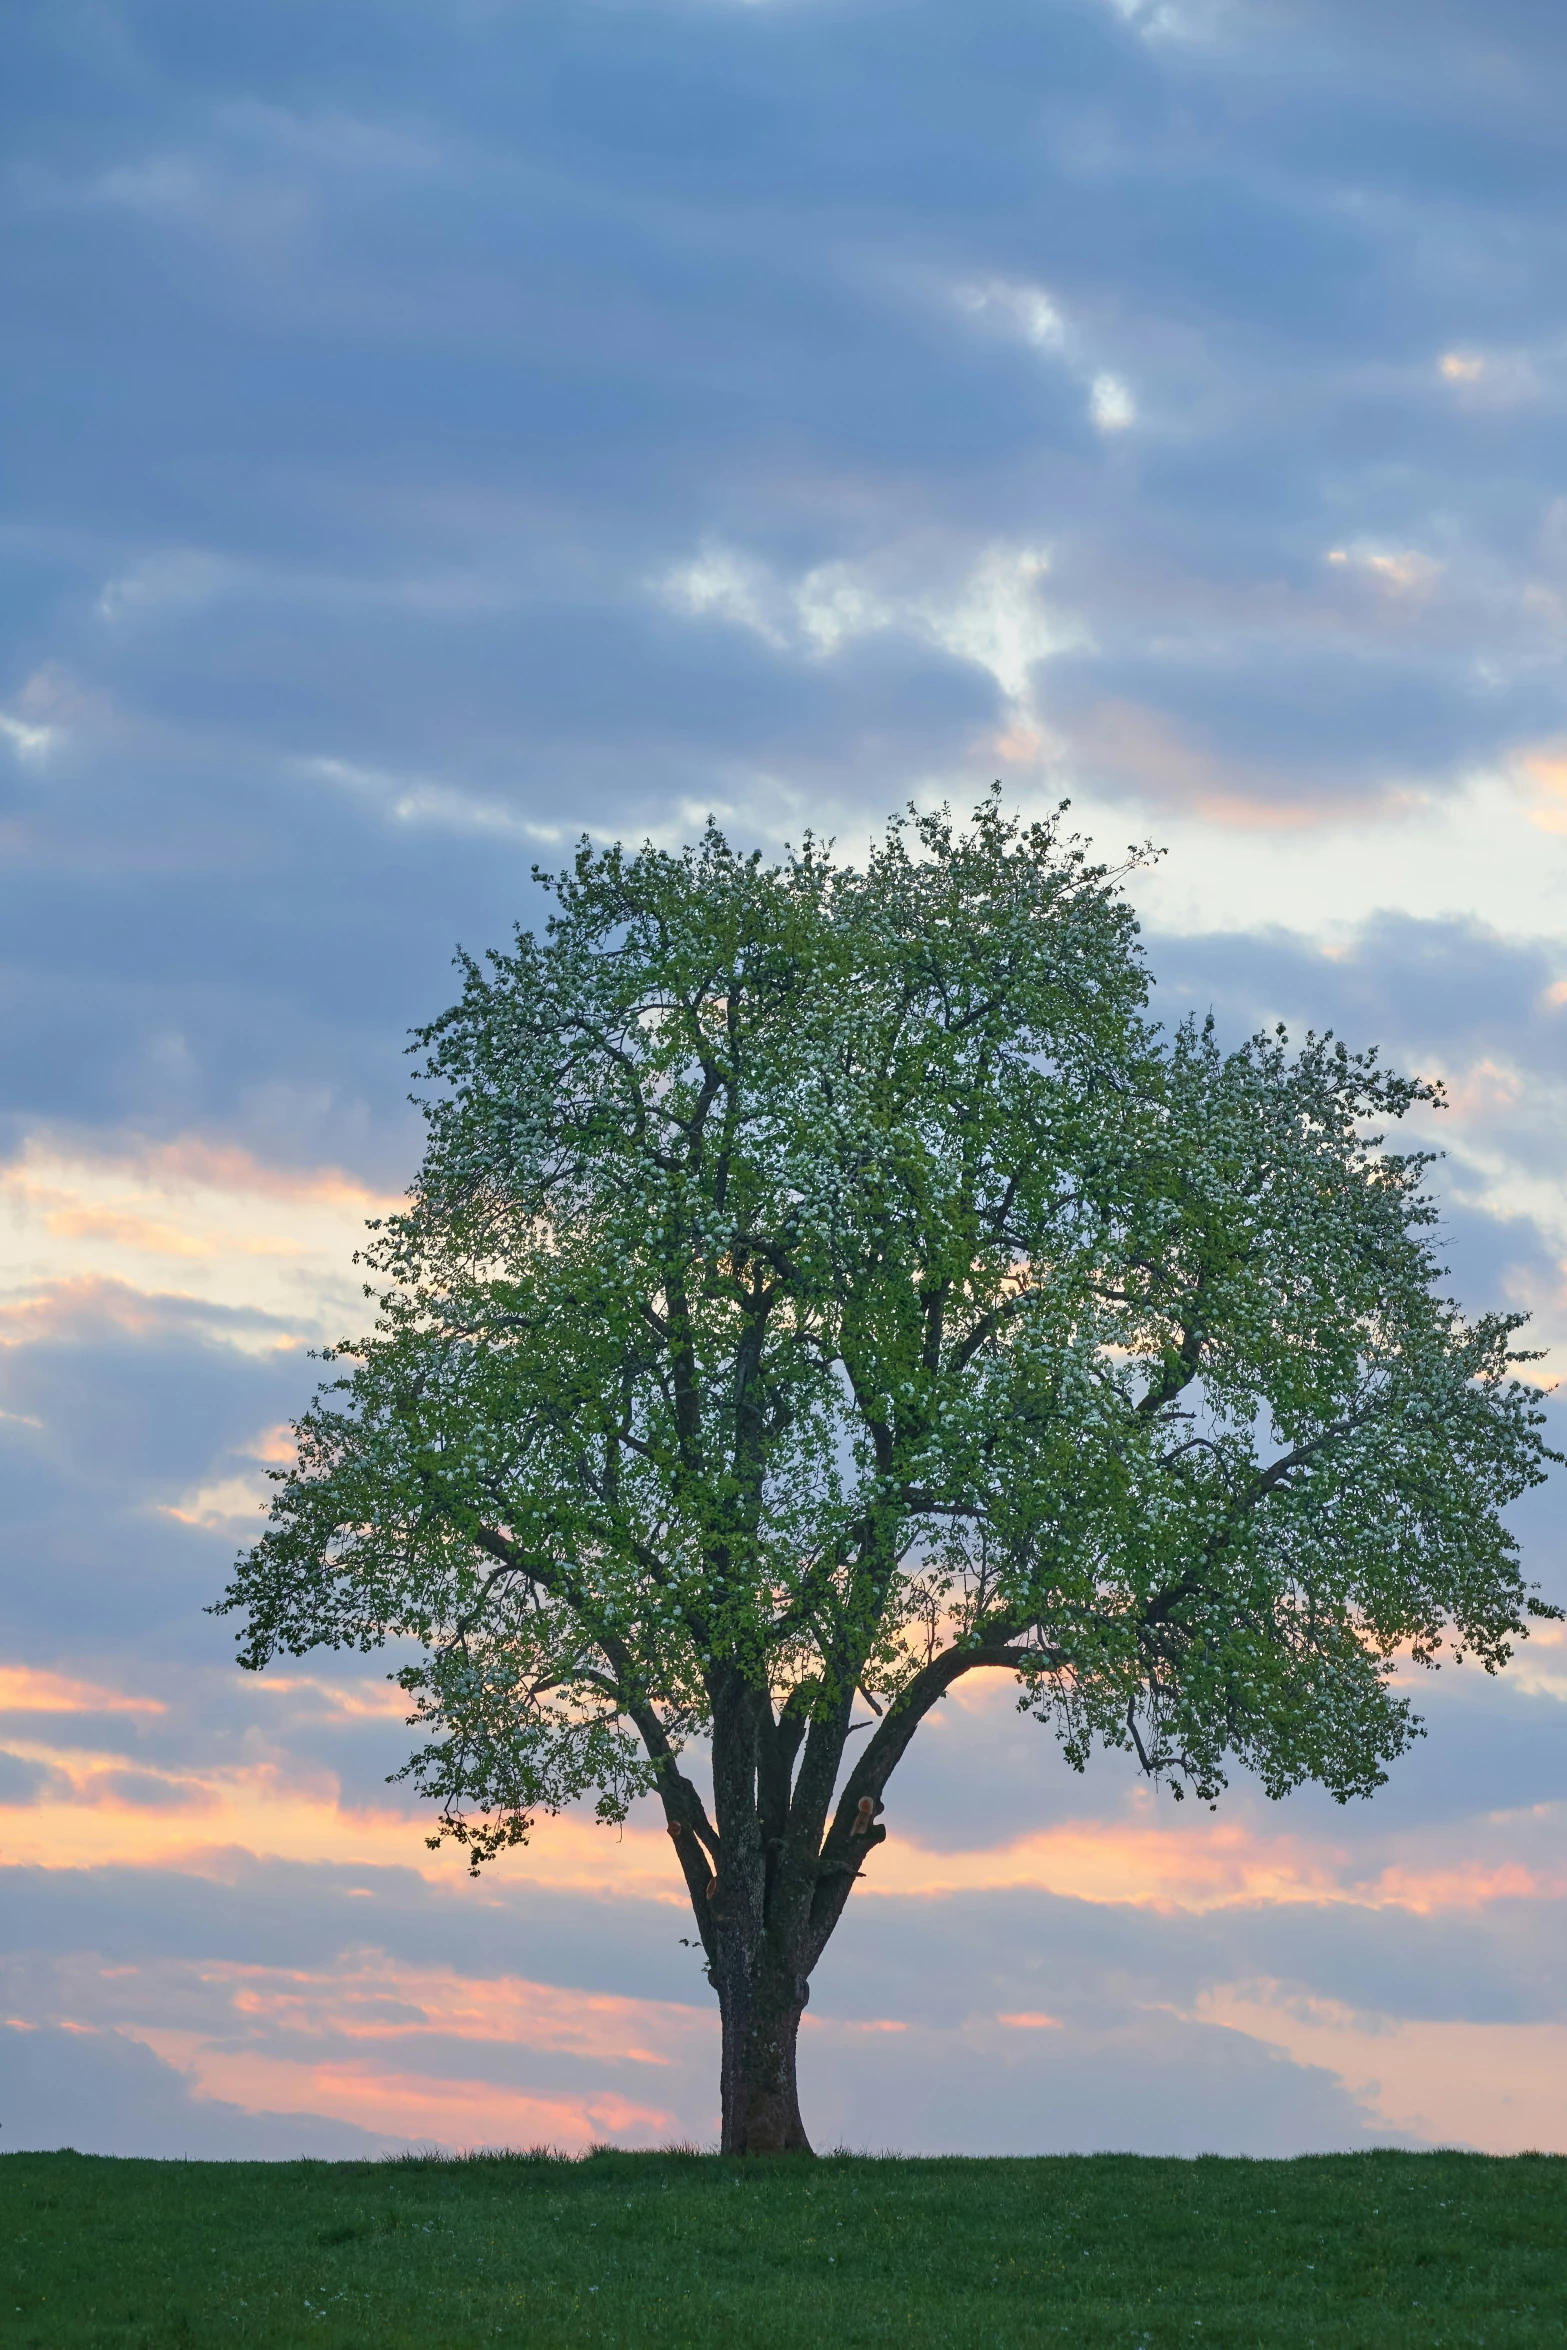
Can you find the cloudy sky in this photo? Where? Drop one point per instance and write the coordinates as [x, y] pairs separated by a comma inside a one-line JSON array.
[[434, 428]]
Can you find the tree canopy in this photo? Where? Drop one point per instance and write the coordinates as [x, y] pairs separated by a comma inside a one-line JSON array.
[[827, 1281]]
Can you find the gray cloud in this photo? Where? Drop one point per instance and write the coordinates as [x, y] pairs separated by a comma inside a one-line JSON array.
[[1146, 2087]]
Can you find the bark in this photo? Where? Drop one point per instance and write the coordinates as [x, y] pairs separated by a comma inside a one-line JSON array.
[[761, 2101]]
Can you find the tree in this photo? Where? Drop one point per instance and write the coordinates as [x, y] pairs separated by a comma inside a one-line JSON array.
[[826, 1282]]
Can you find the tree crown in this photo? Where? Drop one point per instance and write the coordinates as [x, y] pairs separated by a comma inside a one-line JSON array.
[[826, 1279]]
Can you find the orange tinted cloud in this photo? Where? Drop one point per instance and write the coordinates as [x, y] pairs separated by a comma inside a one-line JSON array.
[[840, 2024], [99, 1785], [273, 1812], [213, 1222], [1402, 571], [190, 1163], [26, 1690], [142, 1233], [55, 1308], [277, 1446], [1197, 1865], [103, 1806], [232, 1501], [1469, 1886], [1543, 767], [1164, 1866], [108, 1814], [373, 1997], [221, 1167], [1483, 1090]]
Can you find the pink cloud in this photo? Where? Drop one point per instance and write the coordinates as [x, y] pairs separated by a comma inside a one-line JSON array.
[[1494, 2086], [456, 2113], [254, 2047]]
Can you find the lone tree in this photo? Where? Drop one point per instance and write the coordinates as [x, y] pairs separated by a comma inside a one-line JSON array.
[[826, 1282]]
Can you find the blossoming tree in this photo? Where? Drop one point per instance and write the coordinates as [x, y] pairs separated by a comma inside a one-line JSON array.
[[824, 1283]]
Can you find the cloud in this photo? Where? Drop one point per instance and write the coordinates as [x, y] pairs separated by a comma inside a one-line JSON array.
[[1174, 20], [1110, 404], [1541, 1669], [1221, 1865], [25, 1780], [188, 1218], [1499, 2083], [467, 2058], [1542, 772], [30, 743], [90, 1307], [1401, 572], [1150, 2087], [1495, 380], [25, 1690], [103, 2093], [990, 614], [167, 582], [377, 2099], [1028, 313], [1144, 753], [331, 1989], [421, 800], [1023, 309], [438, 449], [1350, 862]]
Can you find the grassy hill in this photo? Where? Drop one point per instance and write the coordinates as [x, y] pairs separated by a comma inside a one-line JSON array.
[[666, 2251]]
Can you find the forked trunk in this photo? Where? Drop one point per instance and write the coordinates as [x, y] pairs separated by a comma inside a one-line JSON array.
[[761, 2101]]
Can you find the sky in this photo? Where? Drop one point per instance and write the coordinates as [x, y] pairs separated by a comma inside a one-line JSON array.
[[434, 429]]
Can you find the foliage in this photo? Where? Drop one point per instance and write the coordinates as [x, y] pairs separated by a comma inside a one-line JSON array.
[[662, 2252]]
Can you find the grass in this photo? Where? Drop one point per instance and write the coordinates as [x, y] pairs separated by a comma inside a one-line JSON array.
[[679, 2251]]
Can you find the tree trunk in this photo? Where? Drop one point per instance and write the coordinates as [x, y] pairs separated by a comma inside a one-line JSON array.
[[761, 2102]]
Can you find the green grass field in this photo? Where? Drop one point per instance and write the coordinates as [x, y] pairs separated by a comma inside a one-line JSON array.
[[662, 2251]]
